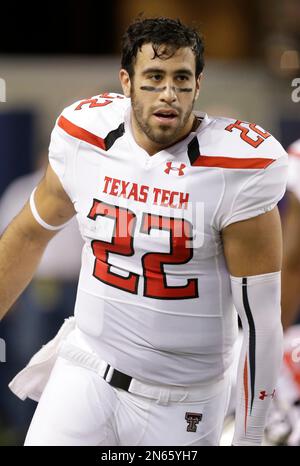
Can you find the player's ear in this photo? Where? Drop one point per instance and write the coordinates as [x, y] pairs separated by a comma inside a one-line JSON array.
[[125, 82], [198, 85]]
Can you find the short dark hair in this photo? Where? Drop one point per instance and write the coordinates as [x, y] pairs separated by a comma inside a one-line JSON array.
[[160, 31]]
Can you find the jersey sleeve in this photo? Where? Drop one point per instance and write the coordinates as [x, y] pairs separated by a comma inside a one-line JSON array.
[[252, 192], [88, 122], [62, 158]]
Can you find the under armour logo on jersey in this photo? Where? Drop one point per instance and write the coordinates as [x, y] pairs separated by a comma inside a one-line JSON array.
[[176, 168], [263, 394], [192, 419]]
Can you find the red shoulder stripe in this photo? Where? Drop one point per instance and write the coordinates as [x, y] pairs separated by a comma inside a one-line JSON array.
[[231, 162], [80, 133]]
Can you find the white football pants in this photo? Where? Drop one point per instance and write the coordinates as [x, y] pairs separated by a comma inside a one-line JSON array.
[[78, 407]]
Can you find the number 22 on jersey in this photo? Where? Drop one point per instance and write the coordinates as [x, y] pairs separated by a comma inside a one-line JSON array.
[[155, 282]]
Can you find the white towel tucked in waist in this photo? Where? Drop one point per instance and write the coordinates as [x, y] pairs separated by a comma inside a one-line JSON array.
[[31, 381]]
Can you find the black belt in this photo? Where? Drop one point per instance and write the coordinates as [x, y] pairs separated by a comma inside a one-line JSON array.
[[118, 379]]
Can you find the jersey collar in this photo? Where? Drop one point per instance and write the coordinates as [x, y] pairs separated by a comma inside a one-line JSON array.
[[164, 154]]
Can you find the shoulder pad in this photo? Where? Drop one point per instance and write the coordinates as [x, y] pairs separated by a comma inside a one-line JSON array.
[[98, 115], [241, 139]]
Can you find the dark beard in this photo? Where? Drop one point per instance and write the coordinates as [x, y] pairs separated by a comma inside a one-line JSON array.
[[164, 137]]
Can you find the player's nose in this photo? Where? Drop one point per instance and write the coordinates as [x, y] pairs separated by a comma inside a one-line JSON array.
[[168, 93]]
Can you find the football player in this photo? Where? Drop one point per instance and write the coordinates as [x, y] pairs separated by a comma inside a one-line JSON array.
[[178, 213]]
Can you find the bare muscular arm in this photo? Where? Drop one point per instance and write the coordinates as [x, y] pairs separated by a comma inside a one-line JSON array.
[[254, 246], [24, 241]]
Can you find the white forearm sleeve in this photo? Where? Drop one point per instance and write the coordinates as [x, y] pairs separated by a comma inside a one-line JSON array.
[[257, 300]]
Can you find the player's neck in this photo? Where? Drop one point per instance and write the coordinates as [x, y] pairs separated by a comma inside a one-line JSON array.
[[150, 146]]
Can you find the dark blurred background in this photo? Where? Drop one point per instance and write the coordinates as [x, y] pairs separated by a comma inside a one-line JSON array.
[[235, 29], [54, 53]]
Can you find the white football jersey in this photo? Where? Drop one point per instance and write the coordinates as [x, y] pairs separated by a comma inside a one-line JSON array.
[[154, 297], [294, 169]]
